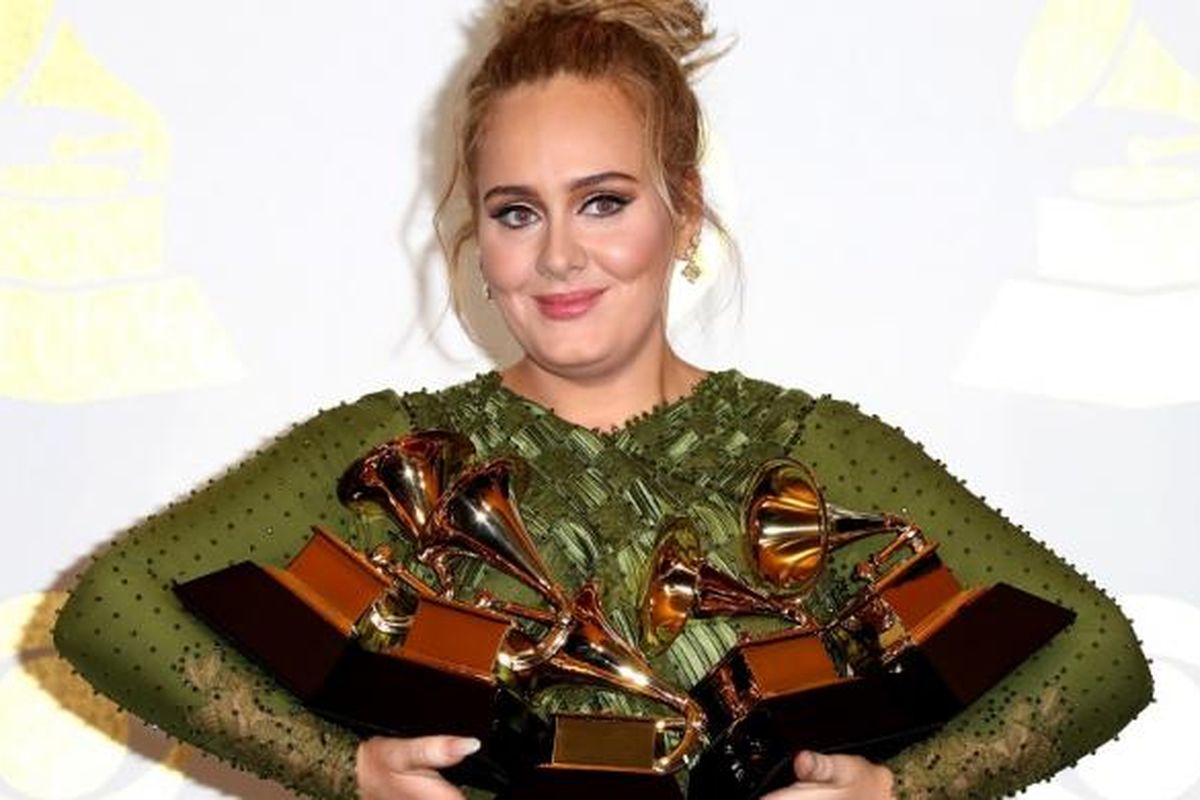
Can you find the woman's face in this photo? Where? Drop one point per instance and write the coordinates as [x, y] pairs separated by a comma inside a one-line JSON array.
[[574, 241]]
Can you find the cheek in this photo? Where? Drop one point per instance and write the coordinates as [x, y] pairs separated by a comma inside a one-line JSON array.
[[642, 249], [506, 260]]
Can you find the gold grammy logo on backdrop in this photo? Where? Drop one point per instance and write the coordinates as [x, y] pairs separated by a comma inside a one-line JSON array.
[[87, 309], [1112, 314]]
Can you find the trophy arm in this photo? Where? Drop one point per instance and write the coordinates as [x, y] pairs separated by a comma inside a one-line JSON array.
[[384, 616], [381, 558], [521, 653], [721, 595], [909, 537], [440, 561], [694, 726], [524, 659]]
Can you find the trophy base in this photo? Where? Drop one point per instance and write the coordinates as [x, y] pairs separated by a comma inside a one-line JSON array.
[[593, 783], [267, 619], [874, 715], [390, 694], [596, 757], [306, 645]]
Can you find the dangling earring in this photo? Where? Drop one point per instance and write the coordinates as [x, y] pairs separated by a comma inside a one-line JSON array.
[[486, 289], [691, 269]]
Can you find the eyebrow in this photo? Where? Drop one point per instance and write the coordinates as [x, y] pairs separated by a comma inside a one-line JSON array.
[[577, 184]]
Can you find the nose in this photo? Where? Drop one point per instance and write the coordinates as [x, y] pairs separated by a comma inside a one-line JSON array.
[[561, 253]]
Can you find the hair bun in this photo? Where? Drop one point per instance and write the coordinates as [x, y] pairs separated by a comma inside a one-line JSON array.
[[677, 26]]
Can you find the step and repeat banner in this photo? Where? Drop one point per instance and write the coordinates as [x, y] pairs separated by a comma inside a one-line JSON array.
[[980, 221]]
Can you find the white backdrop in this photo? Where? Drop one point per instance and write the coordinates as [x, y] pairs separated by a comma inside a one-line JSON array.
[[979, 220]]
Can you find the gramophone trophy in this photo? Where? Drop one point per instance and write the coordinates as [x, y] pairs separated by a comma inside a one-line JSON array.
[[588, 756], [910, 650], [366, 641]]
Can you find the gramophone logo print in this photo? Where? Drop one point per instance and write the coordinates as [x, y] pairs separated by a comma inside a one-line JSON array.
[[87, 308], [1111, 314]]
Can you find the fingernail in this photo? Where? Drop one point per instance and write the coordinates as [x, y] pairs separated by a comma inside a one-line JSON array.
[[806, 761], [465, 746]]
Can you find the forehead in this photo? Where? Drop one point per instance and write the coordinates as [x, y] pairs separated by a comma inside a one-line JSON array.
[[551, 132]]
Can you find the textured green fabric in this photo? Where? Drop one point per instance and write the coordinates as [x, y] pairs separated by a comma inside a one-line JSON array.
[[594, 504]]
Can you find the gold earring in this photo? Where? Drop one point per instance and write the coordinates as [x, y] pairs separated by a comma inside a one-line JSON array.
[[691, 269], [486, 288]]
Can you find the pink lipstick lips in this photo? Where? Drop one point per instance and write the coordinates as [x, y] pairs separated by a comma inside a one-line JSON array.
[[567, 305]]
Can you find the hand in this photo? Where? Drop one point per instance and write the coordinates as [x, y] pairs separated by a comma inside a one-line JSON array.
[[406, 769], [836, 777]]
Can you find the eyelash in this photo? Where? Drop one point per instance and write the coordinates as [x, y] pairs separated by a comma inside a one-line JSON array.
[[620, 201], [504, 213]]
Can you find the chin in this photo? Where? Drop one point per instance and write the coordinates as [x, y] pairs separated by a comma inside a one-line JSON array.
[[574, 360]]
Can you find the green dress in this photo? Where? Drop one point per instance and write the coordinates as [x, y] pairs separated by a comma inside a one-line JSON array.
[[593, 506]]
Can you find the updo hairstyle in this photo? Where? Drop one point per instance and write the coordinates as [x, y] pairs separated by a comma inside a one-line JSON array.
[[649, 49]]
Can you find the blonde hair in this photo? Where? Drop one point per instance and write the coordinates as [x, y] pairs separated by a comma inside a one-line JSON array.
[[649, 49]]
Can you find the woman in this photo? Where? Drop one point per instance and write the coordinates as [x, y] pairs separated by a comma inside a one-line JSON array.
[[578, 168]]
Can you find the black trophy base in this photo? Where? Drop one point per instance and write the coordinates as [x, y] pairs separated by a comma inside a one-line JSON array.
[[379, 694], [877, 715], [371, 693], [269, 622], [581, 783], [871, 716]]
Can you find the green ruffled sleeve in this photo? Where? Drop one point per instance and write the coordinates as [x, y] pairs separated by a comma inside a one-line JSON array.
[[124, 631], [1062, 703]]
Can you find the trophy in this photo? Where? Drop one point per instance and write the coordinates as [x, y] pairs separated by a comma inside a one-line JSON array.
[[910, 650], [598, 755], [364, 640], [588, 755]]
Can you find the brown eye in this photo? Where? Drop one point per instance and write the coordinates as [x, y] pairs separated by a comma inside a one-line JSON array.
[[515, 216], [604, 205]]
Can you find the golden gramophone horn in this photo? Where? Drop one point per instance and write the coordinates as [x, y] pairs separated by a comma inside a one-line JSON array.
[[681, 585], [791, 529], [406, 476], [595, 653], [477, 517]]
